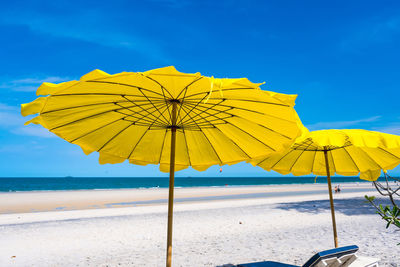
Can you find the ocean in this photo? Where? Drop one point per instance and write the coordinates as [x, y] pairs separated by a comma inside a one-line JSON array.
[[93, 183]]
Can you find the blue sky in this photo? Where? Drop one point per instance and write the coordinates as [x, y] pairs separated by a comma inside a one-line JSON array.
[[341, 58]]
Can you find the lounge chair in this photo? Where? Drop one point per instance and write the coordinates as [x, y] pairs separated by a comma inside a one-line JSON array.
[[338, 257]]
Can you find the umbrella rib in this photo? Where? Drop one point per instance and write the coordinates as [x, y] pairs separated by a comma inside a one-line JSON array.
[[85, 118], [128, 85], [162, 146], [161, 86], [291, 167], [187, 113], [226, 122], [221, 105], [180, 106], [371, 159], [252, 136], [390, 153], [162, 125], [165, 100], [205, 123], [147, 110], [202, 118], [229, 89], [190, 118], [105, 94], [187, 86], [312, 165], [163, 93], [187, 147], [254, 111], [139, 118], [234, 143], [141, 106], [184, 95], [166, 121], [233, 115], [205, 111], [211, 115], [88, 105], [135, 112], [247, 100], [208, 141], [211, 146], [278, 160], [140, 139], [92, 131], [226, 136], [112, 138], [352, 159], [150, 113], [123, 118], [333, 161]]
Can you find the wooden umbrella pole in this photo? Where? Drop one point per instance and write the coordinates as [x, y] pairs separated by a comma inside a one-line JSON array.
[[171, 185], [331, 198]]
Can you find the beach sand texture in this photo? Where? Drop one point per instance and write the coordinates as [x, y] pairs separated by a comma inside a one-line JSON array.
[[222, 230]]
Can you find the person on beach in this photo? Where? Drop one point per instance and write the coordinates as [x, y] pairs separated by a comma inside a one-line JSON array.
[[336, 189]]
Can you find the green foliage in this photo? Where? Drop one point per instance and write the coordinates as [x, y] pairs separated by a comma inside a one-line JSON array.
[[391, 214]]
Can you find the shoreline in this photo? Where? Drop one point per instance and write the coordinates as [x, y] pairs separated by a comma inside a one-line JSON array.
[[42, 201], [178, 187], [45, 184]]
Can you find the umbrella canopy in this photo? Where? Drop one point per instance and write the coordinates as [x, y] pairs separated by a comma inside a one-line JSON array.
[[344, 152], [129, 116], [168, 118], [350, 153]]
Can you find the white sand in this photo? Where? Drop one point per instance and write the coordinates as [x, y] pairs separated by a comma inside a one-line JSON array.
[[206, 233]]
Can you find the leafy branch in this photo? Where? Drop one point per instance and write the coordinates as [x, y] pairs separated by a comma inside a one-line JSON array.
[[389, 213]]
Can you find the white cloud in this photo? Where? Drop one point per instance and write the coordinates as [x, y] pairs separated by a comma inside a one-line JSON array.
[[340, 124], [5, 107], [392, 128], [12, 148], [375, 30], [11, 118], [84, 25], [18, 148], [30, 84], [33, 130], [13, 121]]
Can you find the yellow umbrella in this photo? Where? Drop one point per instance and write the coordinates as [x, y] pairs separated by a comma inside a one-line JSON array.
[[167, 117], [344, 152]]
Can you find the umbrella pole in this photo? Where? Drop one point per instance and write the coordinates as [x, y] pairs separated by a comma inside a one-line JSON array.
[[171, 185], [331, 198]]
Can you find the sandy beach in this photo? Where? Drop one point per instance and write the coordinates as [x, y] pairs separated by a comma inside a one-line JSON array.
[[213, 226]]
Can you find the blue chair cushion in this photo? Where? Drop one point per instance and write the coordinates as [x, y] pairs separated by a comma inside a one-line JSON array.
[[267, 264], [314, 260], [331, 253]]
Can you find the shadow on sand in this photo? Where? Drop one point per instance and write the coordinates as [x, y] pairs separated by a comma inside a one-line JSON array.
[[350, 206]]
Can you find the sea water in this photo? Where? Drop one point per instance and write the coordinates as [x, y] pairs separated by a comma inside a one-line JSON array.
[[92, 183]]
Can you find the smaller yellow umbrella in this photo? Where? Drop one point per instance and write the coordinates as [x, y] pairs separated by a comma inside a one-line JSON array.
[[344, 152]]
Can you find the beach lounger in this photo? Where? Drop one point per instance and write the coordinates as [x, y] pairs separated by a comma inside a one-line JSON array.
[[338, 257]]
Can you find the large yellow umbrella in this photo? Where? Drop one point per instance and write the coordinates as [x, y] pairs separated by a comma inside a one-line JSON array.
[[344, 152], [168, 118]]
